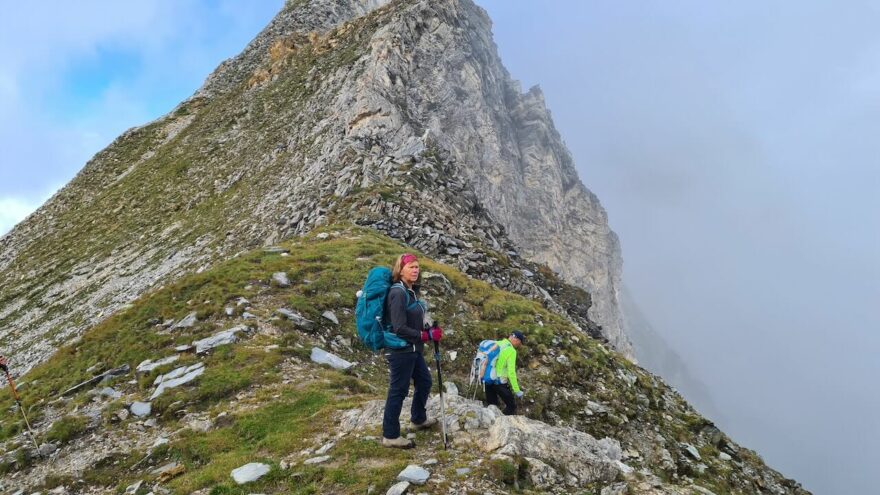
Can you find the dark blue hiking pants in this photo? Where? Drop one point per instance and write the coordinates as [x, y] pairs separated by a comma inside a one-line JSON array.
[[404, 367]]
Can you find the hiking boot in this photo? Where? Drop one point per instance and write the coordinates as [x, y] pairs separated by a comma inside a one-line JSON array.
[[398, 443], [425, 425]]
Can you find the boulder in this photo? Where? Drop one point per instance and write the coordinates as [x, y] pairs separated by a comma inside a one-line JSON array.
[[577, 452]]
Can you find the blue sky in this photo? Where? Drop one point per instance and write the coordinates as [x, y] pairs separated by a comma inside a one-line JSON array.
[[734, 146]]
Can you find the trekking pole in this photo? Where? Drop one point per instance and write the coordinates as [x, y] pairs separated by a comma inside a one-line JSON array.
[[20, 407], [442, 400]]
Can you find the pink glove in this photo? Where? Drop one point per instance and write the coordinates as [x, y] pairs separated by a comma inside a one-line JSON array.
[[435, 334], [425, 336]]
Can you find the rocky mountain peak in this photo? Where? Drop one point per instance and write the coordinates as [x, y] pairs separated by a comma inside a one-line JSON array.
[[331, 102], [174, 307]]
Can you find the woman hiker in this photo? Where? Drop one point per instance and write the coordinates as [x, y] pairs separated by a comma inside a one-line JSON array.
[[406, 314]]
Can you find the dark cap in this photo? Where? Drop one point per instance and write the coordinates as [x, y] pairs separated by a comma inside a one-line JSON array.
[[519, 335]]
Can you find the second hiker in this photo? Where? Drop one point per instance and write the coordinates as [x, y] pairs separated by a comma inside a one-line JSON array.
[[505, 386], [406, 313]]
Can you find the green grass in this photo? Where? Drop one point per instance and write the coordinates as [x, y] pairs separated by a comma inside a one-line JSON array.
[[278, 419], [67, 428]]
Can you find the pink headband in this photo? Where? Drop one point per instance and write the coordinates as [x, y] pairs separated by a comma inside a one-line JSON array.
[[407, 259]]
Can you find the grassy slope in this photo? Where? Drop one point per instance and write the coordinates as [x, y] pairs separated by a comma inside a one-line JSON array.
[[277, 413]]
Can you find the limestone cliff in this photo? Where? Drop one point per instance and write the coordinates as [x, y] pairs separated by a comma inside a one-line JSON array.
[[332, 99]]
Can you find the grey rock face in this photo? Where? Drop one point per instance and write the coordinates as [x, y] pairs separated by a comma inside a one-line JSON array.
[[581, 454]]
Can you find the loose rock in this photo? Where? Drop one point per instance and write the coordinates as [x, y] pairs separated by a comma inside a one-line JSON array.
[[141, 409], [414, 474], [250, 472], [321, 356]]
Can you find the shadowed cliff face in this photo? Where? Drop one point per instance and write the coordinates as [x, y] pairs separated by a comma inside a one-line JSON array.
[[331, 100]]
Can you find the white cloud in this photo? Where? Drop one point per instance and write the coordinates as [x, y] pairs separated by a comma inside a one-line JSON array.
[[15, 209], [48, 129]]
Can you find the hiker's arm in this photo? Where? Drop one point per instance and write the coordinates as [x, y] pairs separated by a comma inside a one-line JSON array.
[[511, 370], [397, 315]]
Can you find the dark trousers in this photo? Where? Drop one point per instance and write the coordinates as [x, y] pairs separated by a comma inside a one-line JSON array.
[[405, 367], [503, 390]]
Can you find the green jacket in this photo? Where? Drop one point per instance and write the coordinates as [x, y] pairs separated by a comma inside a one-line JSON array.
[[505, 367]]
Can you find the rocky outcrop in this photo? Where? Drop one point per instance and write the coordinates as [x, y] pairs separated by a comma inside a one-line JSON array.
[[334, 102]]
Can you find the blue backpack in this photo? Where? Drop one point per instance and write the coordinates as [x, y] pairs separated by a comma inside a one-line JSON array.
[[483, 367], [373, 327]]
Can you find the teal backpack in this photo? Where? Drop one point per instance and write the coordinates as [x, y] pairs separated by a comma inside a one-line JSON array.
[[373, 327]]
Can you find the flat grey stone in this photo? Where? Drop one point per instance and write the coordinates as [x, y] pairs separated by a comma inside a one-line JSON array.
[[321, 356], [149, 365], [177, 377], [141, 409], [225, 337], [330, 316], [250, 472], [416, 475], [188, 321], [462, 471], [317, 460], [398, 489]]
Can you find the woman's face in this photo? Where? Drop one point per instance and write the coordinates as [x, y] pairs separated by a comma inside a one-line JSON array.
[[410, 272]]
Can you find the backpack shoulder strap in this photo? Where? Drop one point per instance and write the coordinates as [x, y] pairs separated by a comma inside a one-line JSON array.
[[400, 286]]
